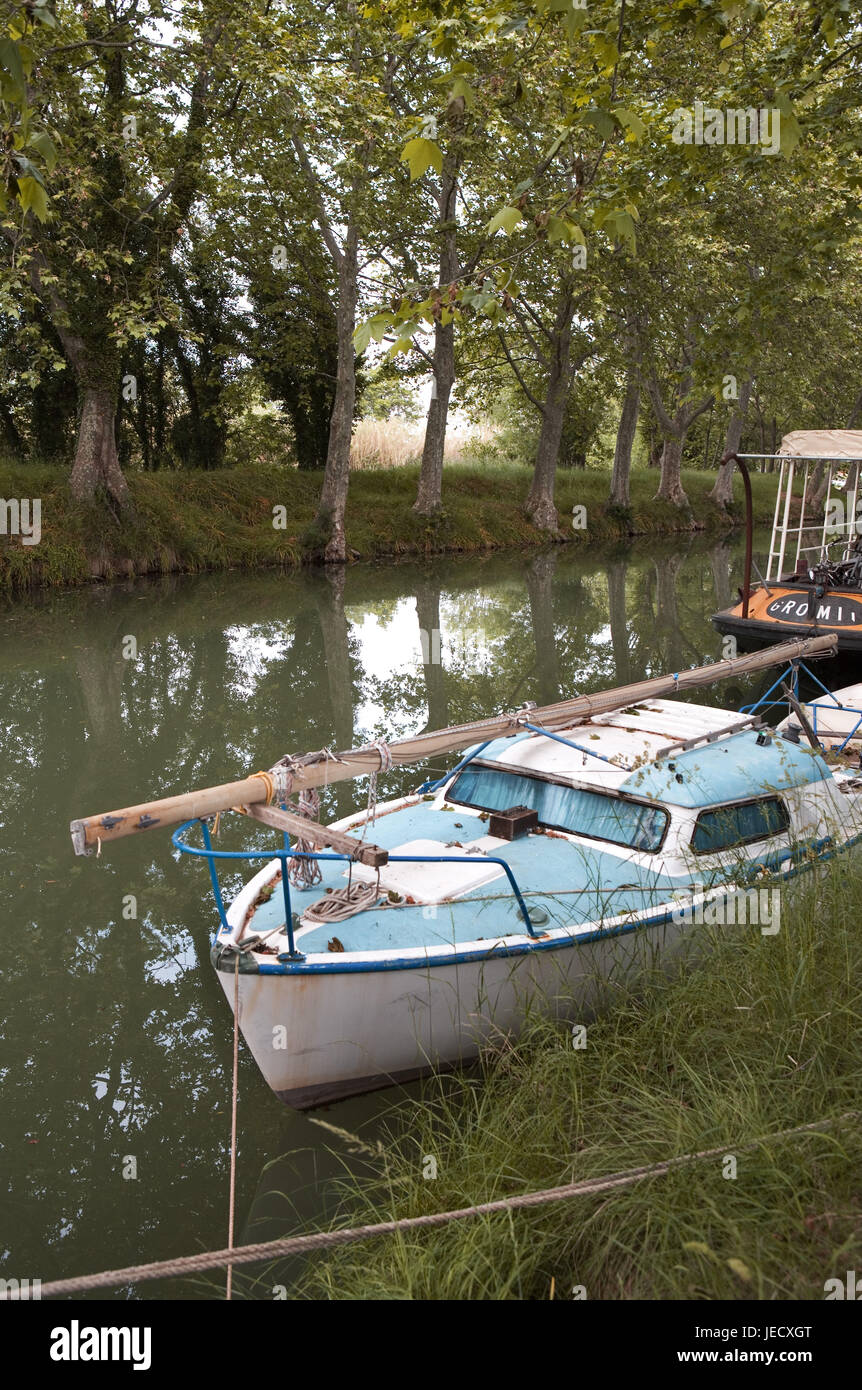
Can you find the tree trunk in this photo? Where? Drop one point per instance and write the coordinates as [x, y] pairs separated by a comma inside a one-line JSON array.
[[96, 465], [675, 425], [818, 487], [720, 559], [619, 621], [428, 613], [336, 477], [335, 629], [540, 499], [722, 493], [540, 589], [429, 497], [667, 615], [625, 440], [670, 488]]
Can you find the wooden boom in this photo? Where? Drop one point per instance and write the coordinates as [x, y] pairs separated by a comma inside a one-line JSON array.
[[318, 835], [320, 769]]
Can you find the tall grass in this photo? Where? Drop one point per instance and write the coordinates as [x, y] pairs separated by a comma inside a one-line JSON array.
[[223, 519], [761, 1034]]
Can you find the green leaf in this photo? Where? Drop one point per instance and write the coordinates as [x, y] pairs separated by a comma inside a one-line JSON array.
[[361, 337], [375, 327], [31, 194], [620, 226], [11, 65], [790, 129], [43, 14], [400, 345], [606, 49], [631, 122], [601, 121], [461, 88], [557, 229], [560, 229], [507, 218], [44, 145], [421, 154]]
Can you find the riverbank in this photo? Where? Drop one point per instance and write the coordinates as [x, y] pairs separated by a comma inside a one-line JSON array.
[[190, 522], [761, 1037]]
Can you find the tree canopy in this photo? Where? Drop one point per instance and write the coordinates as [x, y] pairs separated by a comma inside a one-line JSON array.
[[601, 212]]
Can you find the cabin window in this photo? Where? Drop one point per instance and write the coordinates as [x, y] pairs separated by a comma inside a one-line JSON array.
[[725, 827], [596, 815]]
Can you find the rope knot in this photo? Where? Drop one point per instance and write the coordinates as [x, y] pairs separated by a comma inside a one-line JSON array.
[[385, 754]]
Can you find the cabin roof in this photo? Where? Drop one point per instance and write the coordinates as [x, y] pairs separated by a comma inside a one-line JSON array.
[[634, 734], [727, 769]]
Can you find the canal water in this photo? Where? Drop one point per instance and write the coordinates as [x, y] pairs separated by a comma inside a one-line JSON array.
[[116, 1038]]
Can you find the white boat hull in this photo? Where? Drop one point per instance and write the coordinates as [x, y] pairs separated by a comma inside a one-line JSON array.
[[319, 1037]]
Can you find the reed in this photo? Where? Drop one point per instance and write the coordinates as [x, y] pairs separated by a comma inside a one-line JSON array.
[[384, 444], [763, 1034]]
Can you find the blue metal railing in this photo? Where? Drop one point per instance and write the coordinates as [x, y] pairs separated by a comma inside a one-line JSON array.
[[285, 854], [459, 767], [792, 672], [579, 747]]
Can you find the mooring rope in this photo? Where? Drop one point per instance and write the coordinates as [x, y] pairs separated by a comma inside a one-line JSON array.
[[384, 752], [234, 1088], [304, 873], [323, 1240]]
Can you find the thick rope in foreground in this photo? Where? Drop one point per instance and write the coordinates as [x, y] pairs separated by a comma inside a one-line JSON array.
[[234, 1087], [324, 1240]]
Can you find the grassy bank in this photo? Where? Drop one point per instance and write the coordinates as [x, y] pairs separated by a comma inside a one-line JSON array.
[[198, 521], [765, 1034]]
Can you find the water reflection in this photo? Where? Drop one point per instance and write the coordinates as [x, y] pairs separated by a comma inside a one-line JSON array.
[[116, 1043]]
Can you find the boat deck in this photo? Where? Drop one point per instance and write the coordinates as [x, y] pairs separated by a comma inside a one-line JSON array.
[[567, 883], [594, 882]]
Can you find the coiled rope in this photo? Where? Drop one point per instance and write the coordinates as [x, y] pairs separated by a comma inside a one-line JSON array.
[[342, 903]]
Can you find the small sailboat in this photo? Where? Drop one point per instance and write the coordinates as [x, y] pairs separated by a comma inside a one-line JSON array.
[[813, 580], [566, 846]]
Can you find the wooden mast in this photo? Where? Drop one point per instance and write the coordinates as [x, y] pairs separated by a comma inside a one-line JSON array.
[[295, 774]]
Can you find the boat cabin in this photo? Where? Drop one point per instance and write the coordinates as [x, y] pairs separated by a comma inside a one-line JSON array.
[[813, 580]]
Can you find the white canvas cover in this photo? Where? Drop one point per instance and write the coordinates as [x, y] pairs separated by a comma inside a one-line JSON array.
[[828, 444]]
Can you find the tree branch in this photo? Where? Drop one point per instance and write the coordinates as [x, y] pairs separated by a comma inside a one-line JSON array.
[[521, 382]]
